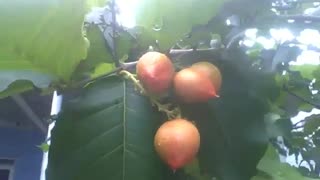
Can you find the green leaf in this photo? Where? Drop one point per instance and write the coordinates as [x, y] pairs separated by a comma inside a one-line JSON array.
[[18, 86], [316, 75], [193, 169], [277, 126], [316, 138], [40, 80], [270, 164], [312, 123], [106, 133], [98, 51], [101, 69], [41, 40], [298, 86], [20, 76], [169, 21], [305, 70], [44, 147]]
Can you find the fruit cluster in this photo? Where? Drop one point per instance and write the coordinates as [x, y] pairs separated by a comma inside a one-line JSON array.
[[177, 141]]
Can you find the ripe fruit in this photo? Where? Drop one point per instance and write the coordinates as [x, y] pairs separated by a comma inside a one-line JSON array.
[[177, 142], [156, 72], [211, 71], [193, 87]]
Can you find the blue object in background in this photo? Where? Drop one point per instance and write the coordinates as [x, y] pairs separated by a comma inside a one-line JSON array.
[[20, 145]]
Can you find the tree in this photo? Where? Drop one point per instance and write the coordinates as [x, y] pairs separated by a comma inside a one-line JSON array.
[[106, 127]]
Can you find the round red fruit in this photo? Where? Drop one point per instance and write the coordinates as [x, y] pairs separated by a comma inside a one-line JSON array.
[[177, 142], [155, 71], [193, 87], [210, 71]]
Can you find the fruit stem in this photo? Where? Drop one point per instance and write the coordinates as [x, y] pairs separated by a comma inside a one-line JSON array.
[[114, 39], [136, 82], [171, 114]]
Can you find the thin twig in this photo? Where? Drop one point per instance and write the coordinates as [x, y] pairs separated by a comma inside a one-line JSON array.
[[298, 127], [183, 51], [86, 81], [300, 17], [126, 66], [296, 124], [235, 38], [171, 114]]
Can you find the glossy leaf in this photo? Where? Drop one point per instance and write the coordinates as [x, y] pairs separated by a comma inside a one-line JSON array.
[[106, 133]]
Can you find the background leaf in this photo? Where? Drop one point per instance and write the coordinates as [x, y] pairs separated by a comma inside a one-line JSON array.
[[312, 123], [157, 18], [275, 170]]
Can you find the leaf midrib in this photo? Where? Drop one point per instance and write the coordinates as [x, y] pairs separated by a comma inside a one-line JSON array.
[[124, 130]]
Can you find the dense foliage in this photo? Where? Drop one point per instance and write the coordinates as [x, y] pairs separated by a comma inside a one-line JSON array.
[[106, 127]]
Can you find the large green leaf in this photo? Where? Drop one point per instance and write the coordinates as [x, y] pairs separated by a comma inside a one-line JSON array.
[[169, 21], [106, 133], [41, 39], [273, 169]]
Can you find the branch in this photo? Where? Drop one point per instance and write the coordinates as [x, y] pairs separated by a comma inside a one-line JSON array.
[[82, 83], [301, 98], [236, 38], [297, 127], [176, 53], [126, 66], [301, 17], [183, 51], [114, 41]]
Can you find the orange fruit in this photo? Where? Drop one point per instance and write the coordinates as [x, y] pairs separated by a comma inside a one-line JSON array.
[[190, 86], [155, 71], [210, 71], [177, 142]]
